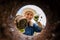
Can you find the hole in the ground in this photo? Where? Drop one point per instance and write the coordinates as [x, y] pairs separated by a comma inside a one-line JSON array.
[[30, 20]]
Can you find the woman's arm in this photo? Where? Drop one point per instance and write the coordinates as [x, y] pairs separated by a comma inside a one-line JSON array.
[[39, 24]]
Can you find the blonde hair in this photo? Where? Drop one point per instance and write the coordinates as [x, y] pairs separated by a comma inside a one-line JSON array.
[[28, 9]]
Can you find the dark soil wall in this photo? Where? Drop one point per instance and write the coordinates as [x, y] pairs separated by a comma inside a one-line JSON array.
[[8, 9]]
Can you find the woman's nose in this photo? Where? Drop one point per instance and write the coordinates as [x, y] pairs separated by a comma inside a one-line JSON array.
[[29, 16]]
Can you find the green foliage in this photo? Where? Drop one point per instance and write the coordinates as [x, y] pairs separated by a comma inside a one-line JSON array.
[[22, 30], [36, 18]]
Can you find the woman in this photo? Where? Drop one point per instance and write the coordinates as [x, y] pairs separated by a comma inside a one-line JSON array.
[[31, 27]]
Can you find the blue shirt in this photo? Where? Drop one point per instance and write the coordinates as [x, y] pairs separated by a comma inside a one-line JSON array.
[[29, 30]]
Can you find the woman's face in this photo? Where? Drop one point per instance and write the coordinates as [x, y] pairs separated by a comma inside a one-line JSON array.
[[29, 15]]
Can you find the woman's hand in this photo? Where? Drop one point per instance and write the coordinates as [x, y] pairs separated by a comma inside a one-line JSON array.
[[36, 18]]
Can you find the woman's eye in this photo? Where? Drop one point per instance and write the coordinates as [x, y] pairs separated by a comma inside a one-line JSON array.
[[27, 14]]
